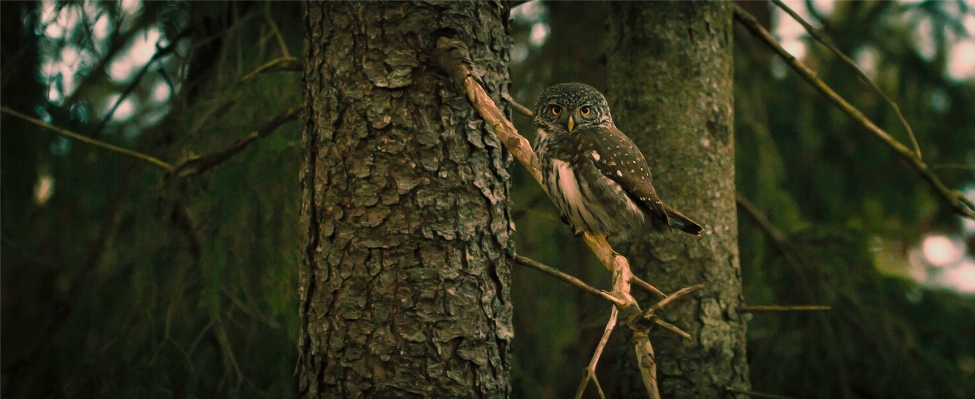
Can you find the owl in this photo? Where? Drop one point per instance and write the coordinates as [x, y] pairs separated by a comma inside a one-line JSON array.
[[597, 177]]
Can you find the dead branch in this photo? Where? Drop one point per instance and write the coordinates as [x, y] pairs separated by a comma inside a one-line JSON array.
[[959, 203], [590, 372], [567, 278], [281, 64], [454, 59]]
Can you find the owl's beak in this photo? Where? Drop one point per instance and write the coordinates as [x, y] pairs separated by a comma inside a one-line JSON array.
[[571, 124]]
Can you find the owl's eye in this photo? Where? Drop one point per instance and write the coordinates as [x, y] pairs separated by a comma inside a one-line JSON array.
[[555, 110], [585, 111]]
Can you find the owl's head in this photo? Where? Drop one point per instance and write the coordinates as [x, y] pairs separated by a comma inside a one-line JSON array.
[[566, 107]]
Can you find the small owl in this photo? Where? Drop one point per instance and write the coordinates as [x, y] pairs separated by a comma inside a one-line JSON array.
[[598, 178]]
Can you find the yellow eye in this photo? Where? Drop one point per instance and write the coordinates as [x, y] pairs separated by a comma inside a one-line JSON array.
[[585, 111], [555, 110]]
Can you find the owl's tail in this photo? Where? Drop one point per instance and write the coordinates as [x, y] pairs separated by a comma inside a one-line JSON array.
[[683, 223]]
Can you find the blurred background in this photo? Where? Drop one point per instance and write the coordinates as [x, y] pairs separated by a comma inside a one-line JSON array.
[[118, 282]]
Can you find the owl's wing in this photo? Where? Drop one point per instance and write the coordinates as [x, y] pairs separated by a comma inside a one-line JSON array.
[[616, 157]]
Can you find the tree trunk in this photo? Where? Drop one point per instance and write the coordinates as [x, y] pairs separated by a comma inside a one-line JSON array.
[[405, 283], [669, 79]]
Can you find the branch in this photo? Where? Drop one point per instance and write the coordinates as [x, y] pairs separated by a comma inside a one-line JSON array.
[[817, 34], [84, 139], [591, 368], [567, 278], [799, 308], [195, 166], [959, 203], [160, 52], [281, 64]]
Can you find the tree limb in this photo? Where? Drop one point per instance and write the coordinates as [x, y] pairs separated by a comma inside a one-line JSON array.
[[959, 203], [818, 35], [84, 139]]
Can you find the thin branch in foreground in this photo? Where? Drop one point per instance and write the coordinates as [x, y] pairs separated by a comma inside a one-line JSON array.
[[590, 371], [518, 107], [567, 278], [799, 308], [84, 139], [959, 203], [818, 35]]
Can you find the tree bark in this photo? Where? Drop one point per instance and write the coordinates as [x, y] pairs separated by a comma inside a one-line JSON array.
[[669, 80], [405, 283]]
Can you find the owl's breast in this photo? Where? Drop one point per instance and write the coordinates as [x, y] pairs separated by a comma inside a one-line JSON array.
[[589, 200]]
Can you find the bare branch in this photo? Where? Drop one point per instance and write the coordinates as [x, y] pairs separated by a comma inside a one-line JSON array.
[[590, 372], [799, 308], [85, 139], [281, 64], [818, 35], [569, 279], [518, 107], [277, 32], [959, 203], [671, 298]]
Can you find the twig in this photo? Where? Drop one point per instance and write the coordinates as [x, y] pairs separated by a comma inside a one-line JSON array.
[[518, 107], [671, 298], [800, 308], [672, 328], [757, 394], [199, 165], [160, 52], [274, 27], [280, 64], [85, 139], [567, 278], [590, 372], [817, 34], [958, 201], [647, 287]]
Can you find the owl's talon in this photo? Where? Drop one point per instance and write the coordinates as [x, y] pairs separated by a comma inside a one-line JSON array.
[[565, 219]]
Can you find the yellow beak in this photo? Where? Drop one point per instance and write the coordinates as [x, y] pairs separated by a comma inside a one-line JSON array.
[[571, 124]]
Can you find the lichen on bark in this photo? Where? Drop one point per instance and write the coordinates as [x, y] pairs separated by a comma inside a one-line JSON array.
[[405, 283]]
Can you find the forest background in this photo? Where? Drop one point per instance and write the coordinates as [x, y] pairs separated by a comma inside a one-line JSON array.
[[117, 281]]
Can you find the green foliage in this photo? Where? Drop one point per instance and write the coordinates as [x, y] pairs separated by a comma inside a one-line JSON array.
[[192, 284]]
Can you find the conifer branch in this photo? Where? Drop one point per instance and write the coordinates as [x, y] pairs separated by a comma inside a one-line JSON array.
[[818, 35], [84, 139], [959, 203]]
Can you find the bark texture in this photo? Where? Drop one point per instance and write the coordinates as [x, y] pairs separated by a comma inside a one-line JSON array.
[[669, 80], [405, 285]]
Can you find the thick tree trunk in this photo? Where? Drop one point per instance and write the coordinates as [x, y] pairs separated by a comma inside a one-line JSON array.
[[669, 79], [405, 284]]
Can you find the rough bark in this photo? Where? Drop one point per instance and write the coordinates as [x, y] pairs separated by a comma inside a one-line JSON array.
[[404, 287], [669, 79]]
